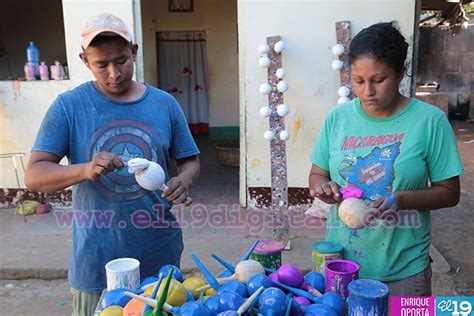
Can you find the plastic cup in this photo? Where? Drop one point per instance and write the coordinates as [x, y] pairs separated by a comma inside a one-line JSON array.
[[123, 273]]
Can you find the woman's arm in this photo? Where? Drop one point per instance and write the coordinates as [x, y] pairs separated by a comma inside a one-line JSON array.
[[441, 194], [321, 186]]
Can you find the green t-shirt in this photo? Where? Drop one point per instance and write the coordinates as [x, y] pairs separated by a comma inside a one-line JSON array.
[[381, 155]]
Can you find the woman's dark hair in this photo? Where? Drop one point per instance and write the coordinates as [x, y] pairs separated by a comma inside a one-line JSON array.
[[383, 42]]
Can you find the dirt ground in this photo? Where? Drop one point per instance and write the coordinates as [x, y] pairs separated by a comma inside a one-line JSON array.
[[35, 297], [452, 228]]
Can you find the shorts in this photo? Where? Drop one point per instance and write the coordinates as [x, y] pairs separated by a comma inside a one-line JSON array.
[[416, 285]]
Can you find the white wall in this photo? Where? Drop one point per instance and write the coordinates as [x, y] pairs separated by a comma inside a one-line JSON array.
[[219, 19], [308, 28], [76, 12], [22, 109]]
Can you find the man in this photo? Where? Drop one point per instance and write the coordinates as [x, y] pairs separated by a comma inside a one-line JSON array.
[[99, 126]]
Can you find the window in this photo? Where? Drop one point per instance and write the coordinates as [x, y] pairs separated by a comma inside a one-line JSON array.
[[24, 21]]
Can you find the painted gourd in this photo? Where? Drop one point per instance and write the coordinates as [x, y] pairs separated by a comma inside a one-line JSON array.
[[112, 311], [353, 213], [192, 284], [176, 294], [133, 308]]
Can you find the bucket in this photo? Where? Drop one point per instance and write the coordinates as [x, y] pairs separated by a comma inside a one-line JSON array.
[[368, 297], [268, 253], [323, 252], [339, 273], [123, 273]]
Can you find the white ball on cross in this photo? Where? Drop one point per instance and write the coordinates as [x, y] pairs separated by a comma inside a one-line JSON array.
[[280, 73], [282, 86], [264, 61], [269, 135], [337, 64], [283, 110], [279, 47], [338, 49], [265, 111], [263, 48], [344, 91], [265, 88], [342, 100], [284, 135]]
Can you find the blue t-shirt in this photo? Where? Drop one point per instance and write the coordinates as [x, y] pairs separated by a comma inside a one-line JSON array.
[[114, 217]]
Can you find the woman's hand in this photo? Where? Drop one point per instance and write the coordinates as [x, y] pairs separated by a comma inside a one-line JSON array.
[[327, 192], [386, 203], [321, 187]]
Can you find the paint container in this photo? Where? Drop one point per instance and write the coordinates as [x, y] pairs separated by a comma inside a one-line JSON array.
[[368, 297], [323, 252], [123, 273], [30, 71], [339, 273], [43, 71], [268, 253]]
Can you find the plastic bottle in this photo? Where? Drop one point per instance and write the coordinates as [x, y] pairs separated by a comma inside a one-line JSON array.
[[32, 53], [44, 71], [32, 56], [29, 71], [56, 71]]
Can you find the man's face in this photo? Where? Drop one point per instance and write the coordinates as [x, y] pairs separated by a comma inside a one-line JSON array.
[[111, 64]]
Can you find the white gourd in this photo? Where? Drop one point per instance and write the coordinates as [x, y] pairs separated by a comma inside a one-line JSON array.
[[149, 174], [352, 212], [247, 269]]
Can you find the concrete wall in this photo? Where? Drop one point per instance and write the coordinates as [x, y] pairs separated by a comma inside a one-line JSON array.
[[308, 28], [23, 104], [25, 21], [219, 19], [448, 60]]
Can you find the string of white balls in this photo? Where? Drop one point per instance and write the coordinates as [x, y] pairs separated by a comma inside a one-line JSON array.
[[265, 89]]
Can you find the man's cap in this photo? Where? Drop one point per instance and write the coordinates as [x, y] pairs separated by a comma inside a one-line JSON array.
[[104, 24]]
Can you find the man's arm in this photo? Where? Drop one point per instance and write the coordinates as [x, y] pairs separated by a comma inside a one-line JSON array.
[[188, 171], [45, 174]]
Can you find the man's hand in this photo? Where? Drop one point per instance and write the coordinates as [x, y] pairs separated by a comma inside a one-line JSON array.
[[177, 191], [188, 171], [103, 163]]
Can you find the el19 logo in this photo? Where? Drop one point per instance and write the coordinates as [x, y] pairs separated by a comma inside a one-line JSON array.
[[454, 306]]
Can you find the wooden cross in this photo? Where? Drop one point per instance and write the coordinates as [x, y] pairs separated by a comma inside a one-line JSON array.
[[344, 36], [279, 206]]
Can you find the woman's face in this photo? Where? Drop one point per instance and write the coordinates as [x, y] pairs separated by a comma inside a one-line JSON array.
[[376, 85]]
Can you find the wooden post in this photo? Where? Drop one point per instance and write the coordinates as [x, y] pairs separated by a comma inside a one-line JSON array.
[[279, 207]]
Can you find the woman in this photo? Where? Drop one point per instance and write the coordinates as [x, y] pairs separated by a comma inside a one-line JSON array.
[[400, 151]]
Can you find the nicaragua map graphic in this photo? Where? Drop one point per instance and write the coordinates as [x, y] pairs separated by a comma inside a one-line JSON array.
[[374, 173]]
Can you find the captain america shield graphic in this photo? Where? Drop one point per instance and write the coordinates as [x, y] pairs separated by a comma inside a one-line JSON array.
[[128, 139]]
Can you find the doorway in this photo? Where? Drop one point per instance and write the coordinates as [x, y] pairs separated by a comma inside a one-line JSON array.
[[183, 72]]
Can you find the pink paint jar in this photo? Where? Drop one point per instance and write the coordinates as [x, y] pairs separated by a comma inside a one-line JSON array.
[[339, 273]]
